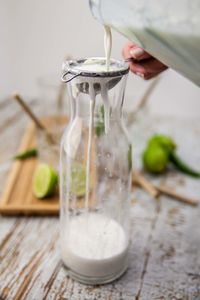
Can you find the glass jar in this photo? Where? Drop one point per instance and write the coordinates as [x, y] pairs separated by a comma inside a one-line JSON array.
[[95, 174]]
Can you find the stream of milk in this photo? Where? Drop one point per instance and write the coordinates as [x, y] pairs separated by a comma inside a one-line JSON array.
[[107, 45], [89, 148]]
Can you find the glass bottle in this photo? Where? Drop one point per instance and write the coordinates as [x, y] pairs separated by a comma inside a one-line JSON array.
[[95, 173]]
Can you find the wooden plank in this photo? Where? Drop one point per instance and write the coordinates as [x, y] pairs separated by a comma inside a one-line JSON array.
[[17, 166], [24, 255], [29, 209], [173, 270], [18, 190]]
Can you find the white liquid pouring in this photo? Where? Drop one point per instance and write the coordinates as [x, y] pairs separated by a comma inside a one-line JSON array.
[[89, 148], [107, 45]]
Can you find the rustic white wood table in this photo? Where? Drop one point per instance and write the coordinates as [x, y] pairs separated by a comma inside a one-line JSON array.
[[165, 248]]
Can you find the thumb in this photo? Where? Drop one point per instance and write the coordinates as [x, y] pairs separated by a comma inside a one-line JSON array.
[[138, 53]]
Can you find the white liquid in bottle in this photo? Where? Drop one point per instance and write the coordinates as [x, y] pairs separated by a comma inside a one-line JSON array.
[[95, 246]]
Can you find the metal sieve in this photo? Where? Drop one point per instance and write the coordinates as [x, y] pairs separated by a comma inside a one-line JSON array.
[[77, 68]]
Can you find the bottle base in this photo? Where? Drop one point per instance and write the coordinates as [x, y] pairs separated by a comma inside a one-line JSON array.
[[94, 280]]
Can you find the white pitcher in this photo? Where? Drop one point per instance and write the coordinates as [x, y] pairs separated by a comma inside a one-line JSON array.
[[168, 29]]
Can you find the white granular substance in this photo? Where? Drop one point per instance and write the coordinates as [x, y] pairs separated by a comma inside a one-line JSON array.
[[95, 245]]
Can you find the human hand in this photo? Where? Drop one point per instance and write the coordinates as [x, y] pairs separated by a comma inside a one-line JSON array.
[[143, 64]]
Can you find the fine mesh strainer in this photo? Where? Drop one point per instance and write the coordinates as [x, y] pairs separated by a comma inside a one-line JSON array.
[[94, 70]]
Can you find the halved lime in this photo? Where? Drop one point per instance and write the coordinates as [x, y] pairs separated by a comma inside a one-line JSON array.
[[78, 184], [45, 180]]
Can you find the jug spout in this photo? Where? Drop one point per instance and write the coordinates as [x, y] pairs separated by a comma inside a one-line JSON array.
[[168, 30]]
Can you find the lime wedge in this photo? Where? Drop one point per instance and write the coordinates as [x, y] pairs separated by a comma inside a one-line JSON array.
[[78, 184], [45, 180]]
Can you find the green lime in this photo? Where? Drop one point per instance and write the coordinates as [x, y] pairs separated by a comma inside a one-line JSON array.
[[155, 159], [164, 141], [45, 180], [78, 184]]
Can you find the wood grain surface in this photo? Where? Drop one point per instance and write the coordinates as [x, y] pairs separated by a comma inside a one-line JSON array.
[[17, 197], [165, 247]]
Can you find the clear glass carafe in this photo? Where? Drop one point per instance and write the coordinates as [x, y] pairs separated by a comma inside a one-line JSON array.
[[95, 173]]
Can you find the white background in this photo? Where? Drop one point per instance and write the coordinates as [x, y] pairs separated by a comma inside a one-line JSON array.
[[36, 35]]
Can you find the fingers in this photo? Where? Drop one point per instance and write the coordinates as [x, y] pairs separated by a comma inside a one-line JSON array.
[[144, 64], [134, 51], [139, 53], [147, 69]]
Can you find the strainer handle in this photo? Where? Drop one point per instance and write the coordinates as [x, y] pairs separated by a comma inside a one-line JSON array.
[[63, 78]]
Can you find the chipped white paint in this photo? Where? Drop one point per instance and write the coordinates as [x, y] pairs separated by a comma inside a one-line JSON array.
[[165, 248]]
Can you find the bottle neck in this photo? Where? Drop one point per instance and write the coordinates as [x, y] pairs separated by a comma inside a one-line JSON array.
[[101, 110], [107, 98]]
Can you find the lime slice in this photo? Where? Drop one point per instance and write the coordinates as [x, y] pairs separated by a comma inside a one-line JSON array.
[[45, 180], [78, 185]]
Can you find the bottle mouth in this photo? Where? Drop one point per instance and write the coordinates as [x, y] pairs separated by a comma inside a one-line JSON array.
[[94, 67]]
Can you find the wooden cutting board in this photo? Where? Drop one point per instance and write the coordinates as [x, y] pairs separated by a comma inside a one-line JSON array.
[[18, 198]]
